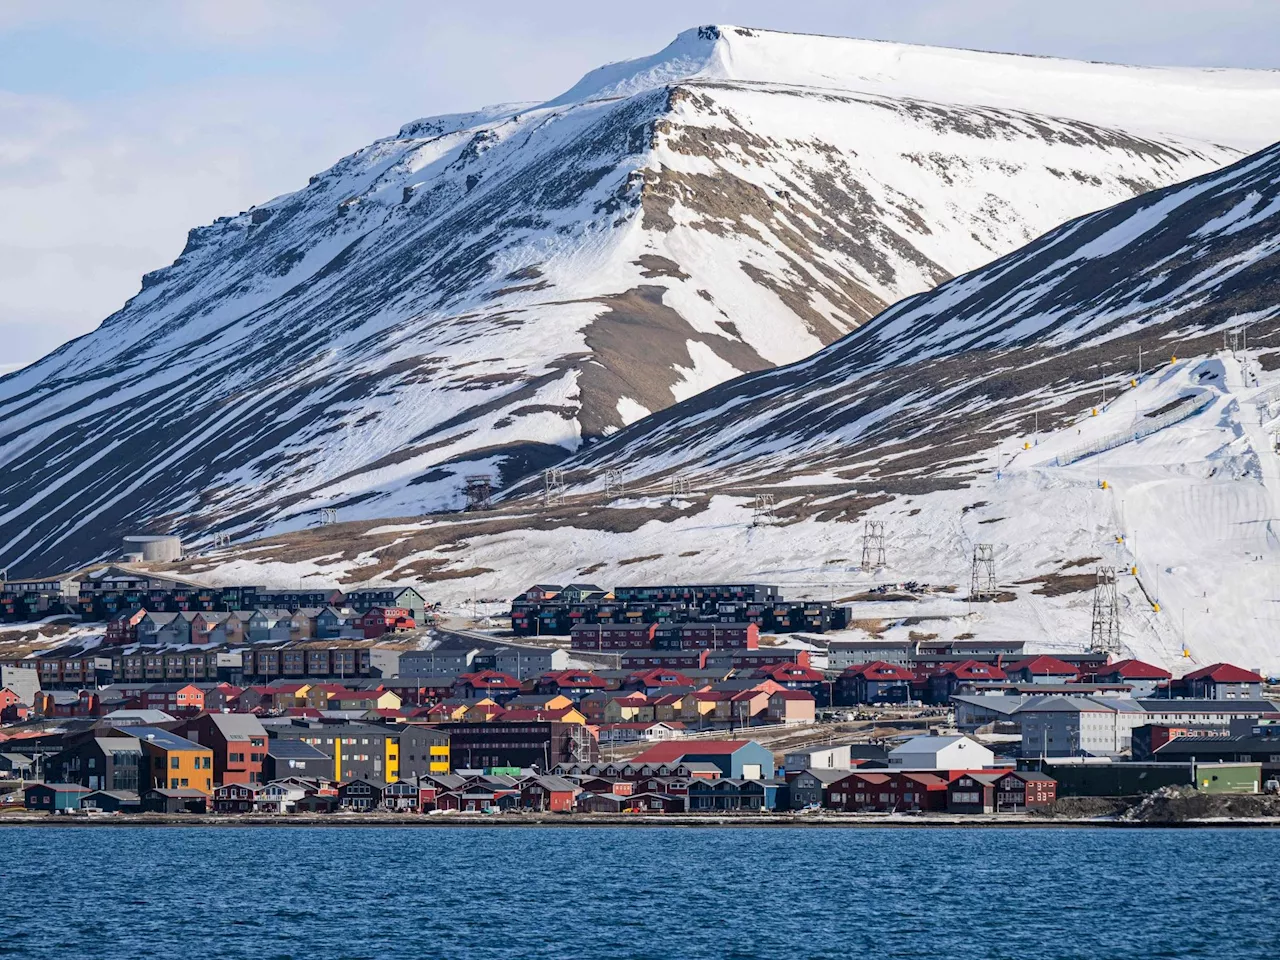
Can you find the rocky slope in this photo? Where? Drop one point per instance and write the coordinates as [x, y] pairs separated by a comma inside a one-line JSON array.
[[1108, 396], [486, 292]]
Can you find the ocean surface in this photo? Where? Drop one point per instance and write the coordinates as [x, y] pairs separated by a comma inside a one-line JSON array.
[[271, 893]]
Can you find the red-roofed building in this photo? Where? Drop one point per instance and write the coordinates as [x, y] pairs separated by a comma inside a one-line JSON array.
[[1041, 670], [1222, 681], [1145, 678], [875, 792], [875, 682], [942, 684], [792, 676], [652, 680], [571, 683], [486, 683]]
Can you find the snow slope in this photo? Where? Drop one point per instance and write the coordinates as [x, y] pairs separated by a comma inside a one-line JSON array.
[[484, 292], [1079, 404]]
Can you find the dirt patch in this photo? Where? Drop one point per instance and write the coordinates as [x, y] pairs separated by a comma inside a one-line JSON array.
[[877, 597], [631, 560], [587, 571], [874, 627], [1061, 584], [1082, 562], [656, 266]]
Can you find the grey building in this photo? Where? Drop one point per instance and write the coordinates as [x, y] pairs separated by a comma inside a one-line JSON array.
[[810, 787], [295, 758], [99, 763], [1061, 726]]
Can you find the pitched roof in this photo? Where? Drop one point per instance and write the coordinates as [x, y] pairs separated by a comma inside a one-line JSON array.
[[1134, 670], [880, 670], [1224, 673], [1044, 666]]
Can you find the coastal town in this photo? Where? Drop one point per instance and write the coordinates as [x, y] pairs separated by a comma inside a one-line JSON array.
[[174, 698]]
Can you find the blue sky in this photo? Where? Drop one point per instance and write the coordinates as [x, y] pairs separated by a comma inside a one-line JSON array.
[[125, 123]]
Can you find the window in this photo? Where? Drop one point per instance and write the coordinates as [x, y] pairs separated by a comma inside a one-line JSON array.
[[174, 762]]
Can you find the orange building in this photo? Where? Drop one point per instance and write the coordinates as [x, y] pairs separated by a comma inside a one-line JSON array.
[[172, 762]]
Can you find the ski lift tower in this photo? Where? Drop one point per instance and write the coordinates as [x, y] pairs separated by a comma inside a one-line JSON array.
[[873, 545], [1105, 634], [982, 581], [479, 491]]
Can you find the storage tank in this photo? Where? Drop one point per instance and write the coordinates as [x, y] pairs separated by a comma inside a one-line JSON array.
[[159, 549]]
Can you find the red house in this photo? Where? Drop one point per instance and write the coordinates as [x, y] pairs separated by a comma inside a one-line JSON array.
[[378, 621], [177, 699], [486, 683], [570, 683], [124, 628], [548, 793], [876, 792], [1042, 669], [238, 742]]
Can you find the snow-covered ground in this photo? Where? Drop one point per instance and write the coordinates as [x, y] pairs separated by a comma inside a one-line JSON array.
[[1192, 507], [482, 292]]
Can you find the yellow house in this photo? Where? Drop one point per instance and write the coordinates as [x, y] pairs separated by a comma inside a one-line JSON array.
[[482, 710], [172, 762], [634, 708], [319, 694], [290, 695], [365, 700], [540, 701], [669, 707]]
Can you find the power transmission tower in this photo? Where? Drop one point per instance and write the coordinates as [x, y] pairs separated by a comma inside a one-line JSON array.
[[219, 540], [328, 515], [873, 544], [479, 490], [553, 486], [763, 511], [679, 486], [982, 583], [1105, 635], [613, 484]]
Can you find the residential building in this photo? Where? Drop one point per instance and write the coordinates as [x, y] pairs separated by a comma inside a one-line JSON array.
[[1223, 681], [735, 759], [172, 761], [1144, 679], [295, 758], [809, 787], [98, 763], [1042, 669], [238, 742], [357, 750], [541, 744]]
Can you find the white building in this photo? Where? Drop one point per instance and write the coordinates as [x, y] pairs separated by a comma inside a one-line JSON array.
[[819, 758], [941, 753]]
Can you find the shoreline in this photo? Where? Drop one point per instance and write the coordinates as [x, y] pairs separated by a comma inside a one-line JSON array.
[[553, 821]]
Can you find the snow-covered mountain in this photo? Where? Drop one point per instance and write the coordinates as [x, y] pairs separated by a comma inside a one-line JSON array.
[[488, 291], [1107, 396]]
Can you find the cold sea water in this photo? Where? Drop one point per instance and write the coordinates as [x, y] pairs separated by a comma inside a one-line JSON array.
[[270, 893]]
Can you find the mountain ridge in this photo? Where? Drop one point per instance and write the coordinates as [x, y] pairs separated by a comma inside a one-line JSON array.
[[487, 291]]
